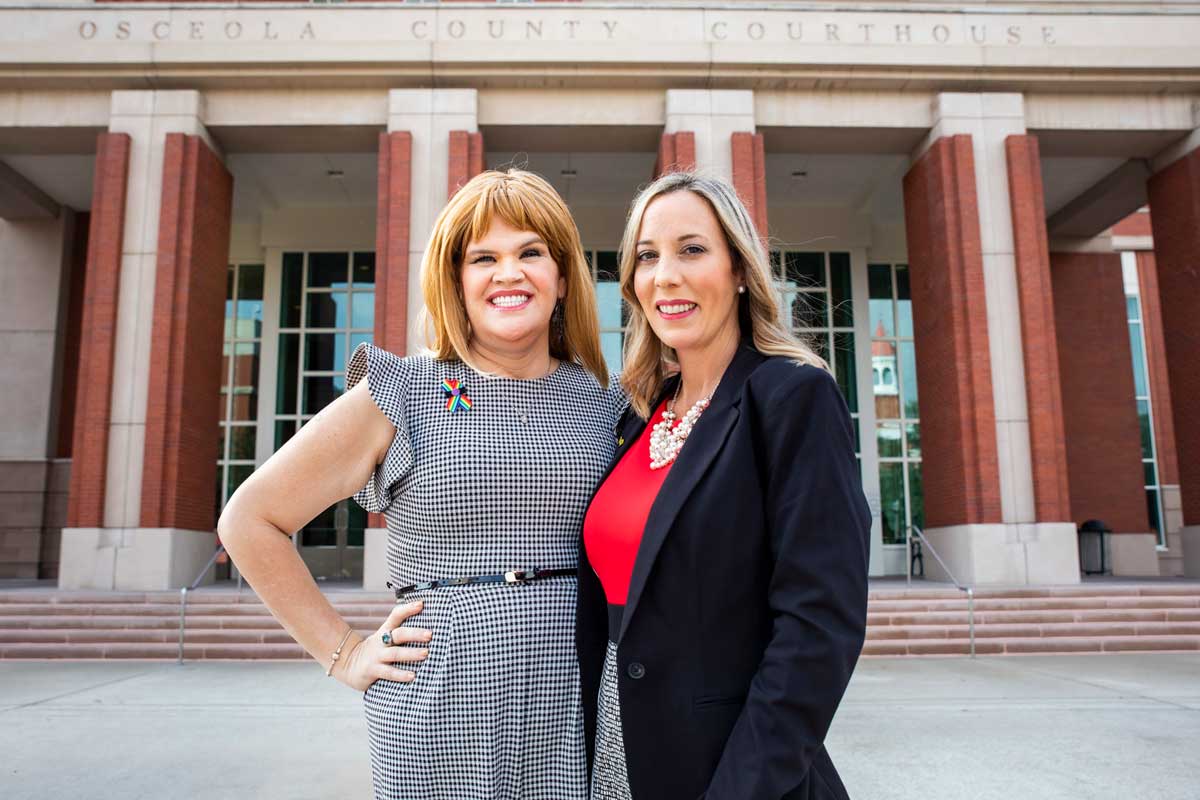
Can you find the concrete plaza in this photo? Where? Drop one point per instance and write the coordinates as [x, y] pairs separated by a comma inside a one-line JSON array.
[[1042, 728]]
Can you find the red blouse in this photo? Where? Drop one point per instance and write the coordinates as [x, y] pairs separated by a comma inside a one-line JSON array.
[[612, 529]]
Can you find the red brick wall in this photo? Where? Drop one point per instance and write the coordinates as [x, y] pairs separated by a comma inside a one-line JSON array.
[[1175, 218], [179, 470], [749, 176], [676, 153], [466, 159], [1156, 366], [958, 424], [1104, 452], [1136, 224], [393, 205], [93, 405], [391, 240], [1043, 395]]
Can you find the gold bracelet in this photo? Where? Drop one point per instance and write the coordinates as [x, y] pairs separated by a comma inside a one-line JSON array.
[[338, 653]]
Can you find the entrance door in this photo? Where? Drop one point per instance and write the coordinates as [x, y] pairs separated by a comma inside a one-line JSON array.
[[326, 307]]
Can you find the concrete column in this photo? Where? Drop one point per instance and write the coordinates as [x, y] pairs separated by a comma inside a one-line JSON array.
[[431, 148], [1006, 542], [429, 115], [712, 116], [120, 553], [1174, 192], [35, 255]]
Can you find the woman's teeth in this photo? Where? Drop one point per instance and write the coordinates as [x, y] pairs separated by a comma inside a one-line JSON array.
[[510, 300], [677, 309]]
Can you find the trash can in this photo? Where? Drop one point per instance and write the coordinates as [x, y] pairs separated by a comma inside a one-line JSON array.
[[1093, 547]]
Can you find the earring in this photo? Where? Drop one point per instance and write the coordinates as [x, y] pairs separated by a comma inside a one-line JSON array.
[[741, 290], [557, 323]]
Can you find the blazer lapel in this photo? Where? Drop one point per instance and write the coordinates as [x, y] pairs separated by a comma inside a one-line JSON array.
[[701, 447]]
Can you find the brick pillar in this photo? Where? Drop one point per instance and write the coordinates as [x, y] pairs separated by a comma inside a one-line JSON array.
[[1104, 451], [392, 226], [1043, 394], [179, 467], [1175, 219], [676, 153], [958, 437], [466, 159], [392, 241], [93, 400], [749, 176]]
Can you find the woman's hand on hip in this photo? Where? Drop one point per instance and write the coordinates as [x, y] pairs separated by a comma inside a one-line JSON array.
[[372, 659]]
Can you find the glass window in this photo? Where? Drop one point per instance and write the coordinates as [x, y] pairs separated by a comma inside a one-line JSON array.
[[328, 270], [611, 308], [363, 273], [240, 353], [894, 379], [814, 292], [1141, 384]]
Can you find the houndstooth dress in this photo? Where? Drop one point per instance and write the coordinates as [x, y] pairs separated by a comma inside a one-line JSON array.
[[494, 711]]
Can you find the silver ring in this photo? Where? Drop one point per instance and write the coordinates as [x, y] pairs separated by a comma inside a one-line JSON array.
[[387, 638]]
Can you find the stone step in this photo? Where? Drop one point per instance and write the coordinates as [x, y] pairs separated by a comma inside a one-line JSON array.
[[151, 650], [73, 636], [1032, 645], [166, 623], [1038, 617], [1033, 604], [1094, 629]]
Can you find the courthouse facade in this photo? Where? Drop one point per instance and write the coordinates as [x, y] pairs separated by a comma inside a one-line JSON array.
[[987, 219]]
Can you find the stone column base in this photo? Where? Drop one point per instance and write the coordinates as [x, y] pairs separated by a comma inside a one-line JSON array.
[[375, 567], [133, 559], [1021, 554], [1190, 535], [1133, 554]]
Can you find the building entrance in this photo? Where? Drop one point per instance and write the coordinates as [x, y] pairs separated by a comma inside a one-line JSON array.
[[291, 323]]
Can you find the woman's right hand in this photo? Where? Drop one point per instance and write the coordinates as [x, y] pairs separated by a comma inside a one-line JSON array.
[[371, 660]]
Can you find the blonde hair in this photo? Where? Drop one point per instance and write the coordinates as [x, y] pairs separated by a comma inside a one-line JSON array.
[[526, 202], [649, 362]]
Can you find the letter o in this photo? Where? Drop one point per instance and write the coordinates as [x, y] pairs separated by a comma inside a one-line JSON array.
[[87, 30], [756, 31], [233, 30], [456, 29], [941, 34]]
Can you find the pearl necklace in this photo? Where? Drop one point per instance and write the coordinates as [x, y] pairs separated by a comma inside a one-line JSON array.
[[665, 441]]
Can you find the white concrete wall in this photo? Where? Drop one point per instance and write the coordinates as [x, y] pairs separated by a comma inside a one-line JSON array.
[[32, 254]]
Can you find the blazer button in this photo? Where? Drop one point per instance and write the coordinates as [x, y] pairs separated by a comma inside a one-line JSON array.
[[636, 670]]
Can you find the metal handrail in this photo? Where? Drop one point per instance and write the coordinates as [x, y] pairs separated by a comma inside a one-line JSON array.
[[183, 594], [970, 592]]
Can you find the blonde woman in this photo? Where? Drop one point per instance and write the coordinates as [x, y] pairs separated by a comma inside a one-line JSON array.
[[483, 458], [723, 578]]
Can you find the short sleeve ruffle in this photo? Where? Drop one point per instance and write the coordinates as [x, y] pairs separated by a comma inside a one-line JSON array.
[[616, 399], [387, 380]]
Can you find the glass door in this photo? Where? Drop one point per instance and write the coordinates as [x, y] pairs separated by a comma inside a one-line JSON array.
[[327, 306]]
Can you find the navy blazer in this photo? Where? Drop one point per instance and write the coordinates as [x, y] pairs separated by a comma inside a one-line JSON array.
[[747, 606]]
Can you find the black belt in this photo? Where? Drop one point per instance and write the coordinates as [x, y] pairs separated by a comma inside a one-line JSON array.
[[514, 577]]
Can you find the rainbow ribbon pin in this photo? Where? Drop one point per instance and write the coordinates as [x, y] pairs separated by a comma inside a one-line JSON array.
[[455, 399]]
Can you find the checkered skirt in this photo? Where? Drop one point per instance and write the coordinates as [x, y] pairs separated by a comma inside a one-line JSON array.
[[494, 711]]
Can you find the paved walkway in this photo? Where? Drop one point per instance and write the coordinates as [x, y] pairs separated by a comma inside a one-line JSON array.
[[1031, 728]]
